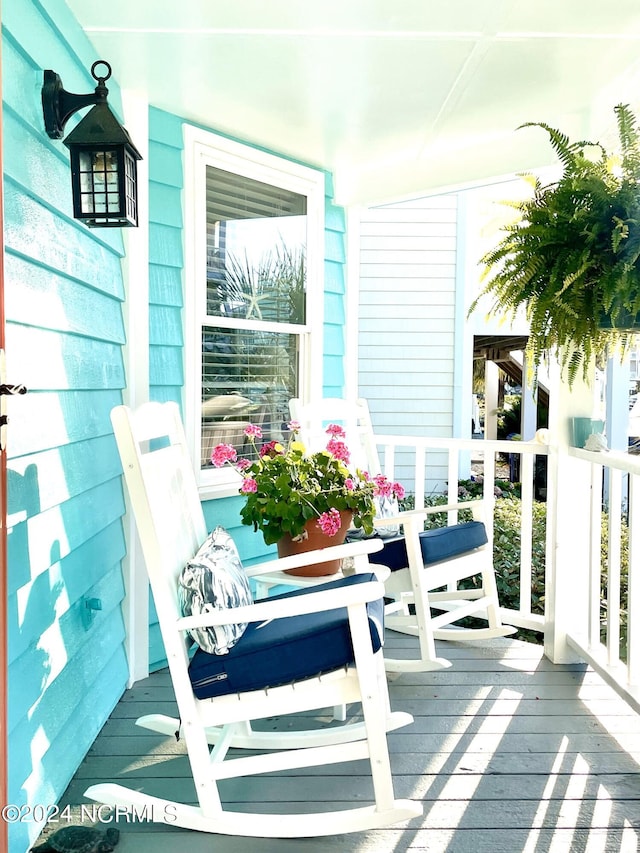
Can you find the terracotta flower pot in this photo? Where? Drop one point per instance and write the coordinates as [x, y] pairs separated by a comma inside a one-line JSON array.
[[315, 538]]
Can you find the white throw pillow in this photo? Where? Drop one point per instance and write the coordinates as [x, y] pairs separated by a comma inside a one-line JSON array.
[[214, 580]]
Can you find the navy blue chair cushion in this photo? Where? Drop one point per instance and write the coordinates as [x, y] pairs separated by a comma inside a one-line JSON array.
[[440, 543], [285, 650]]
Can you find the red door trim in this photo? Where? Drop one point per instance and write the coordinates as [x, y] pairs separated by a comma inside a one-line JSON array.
[[4, 746]]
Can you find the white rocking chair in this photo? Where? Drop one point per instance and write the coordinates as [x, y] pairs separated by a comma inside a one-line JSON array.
[[170, 522], [422, 562]]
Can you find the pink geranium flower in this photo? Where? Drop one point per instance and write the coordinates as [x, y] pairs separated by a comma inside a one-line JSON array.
[[284, 486], [339, 449], [384, 489], [253, 431], [336, 431], [329, 522], [271, 449], [398, 490], [223, 453]]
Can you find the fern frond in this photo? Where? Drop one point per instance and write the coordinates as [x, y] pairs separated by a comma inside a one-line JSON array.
[[629, 139], [574, 252]]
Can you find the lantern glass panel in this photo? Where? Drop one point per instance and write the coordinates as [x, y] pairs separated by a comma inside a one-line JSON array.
[[104, 186]]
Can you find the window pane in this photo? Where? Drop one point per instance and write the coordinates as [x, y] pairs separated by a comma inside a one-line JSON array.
[[256, 241], [247, 377]]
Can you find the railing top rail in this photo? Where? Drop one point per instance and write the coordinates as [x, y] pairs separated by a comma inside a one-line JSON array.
[[609, 458], [489, 445]]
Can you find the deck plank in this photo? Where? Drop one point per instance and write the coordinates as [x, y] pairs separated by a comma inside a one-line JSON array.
[[507, 753]]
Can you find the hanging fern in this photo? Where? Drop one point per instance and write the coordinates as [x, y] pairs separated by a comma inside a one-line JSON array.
[[572, 259]]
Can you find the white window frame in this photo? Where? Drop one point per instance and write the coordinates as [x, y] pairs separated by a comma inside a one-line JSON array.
[[201, 149]]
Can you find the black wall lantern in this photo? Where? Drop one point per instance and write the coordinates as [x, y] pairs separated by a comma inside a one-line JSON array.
[[103, 157]]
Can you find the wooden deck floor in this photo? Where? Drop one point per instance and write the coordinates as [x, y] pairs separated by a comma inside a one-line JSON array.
[[508, 754]]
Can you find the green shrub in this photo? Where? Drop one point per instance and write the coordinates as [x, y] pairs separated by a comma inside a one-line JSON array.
[[624, 581], [506, 552]]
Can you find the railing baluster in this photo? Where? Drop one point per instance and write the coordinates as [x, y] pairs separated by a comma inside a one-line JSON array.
[[452, 493], [633, 584], [613, 567], [489, 473], [526, 530], [605, 658], [389, 461], [595, 550], [452, 483], [420, 474]]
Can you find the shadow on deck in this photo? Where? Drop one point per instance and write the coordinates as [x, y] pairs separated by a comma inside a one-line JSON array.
[[508, 753]]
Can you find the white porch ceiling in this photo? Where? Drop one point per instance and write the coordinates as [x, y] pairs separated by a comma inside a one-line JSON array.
[[397, 98]]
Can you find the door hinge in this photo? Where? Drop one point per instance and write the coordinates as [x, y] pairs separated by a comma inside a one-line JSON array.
[[9, 390], [6, 390]]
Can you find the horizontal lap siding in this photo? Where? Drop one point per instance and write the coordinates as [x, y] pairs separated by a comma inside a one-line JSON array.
[[166, 300], [65, 333], [333, 378], [406, 321], [64, 337], [166, 340]]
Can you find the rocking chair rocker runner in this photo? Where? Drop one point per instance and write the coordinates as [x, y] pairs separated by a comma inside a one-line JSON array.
[[422, 562], [303, 650]]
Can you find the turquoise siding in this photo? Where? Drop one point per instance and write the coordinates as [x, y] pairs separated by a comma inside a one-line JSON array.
[[166, 374], [64, 334], [333, 378], [166, 336]]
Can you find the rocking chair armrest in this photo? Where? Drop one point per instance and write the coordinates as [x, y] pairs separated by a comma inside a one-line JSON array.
[[333, 552], [459, 505], [265, 610], [401, 517], [423, 512]]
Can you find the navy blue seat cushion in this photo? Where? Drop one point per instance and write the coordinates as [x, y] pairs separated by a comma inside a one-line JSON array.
[[285, 650], [440, 543]]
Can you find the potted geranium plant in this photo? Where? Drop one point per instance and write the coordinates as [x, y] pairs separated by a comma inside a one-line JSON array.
[[572, 257], [291, 493]]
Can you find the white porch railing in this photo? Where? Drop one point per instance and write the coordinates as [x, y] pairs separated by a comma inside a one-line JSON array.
[[583, 612], [607, 631]]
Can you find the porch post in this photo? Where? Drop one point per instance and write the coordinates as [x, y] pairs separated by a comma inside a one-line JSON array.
[[352, 299], [135, 606], [568, 516], [491, 383], [617, 403], [529, 412]]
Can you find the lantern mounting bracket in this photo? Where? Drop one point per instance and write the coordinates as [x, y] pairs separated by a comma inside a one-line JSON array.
[[58, 105]]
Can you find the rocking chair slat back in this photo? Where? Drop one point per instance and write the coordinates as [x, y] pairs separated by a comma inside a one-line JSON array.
[[417, 577], [165, 501]]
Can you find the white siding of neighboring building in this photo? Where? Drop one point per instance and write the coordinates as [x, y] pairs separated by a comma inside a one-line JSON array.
[[407, 321]]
